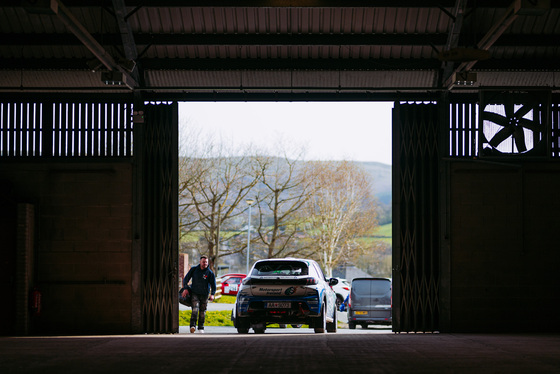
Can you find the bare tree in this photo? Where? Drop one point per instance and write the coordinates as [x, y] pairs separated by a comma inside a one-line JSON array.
[[284, 188], [213, 182], [342, 210], [376, 259]]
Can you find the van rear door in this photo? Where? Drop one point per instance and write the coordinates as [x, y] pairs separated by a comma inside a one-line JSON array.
[[371, 293]]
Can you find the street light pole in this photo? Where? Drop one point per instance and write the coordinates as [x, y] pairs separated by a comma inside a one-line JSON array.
[[250, 203]]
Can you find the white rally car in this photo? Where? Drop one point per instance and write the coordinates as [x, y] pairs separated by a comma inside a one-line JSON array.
[[286, 291]]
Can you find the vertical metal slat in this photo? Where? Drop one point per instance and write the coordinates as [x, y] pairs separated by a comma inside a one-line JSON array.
[[122, 129], [17, 123], [56, 130], [63, 130], [103, 130], [454, 129], [4, 130], [115, 129], [83, 149], [24, 129], [460, 130], [129, 129]]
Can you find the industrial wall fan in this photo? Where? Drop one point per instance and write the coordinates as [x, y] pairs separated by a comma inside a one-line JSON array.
[[514, 123]]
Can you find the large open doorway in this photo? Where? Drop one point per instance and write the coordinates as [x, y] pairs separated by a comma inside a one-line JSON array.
[[278, 140]]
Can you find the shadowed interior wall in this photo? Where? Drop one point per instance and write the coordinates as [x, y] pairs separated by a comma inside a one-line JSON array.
[[8, 258], [82, 242], [504, 247]]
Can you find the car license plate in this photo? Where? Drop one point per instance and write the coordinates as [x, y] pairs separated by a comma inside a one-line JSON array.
[[278, 305], [360, 312]]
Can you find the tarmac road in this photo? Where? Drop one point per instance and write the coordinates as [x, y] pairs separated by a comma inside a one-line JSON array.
[[290, 350], [282, 351]]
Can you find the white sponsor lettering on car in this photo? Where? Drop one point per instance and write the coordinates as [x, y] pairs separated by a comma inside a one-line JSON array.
[[270, 291]]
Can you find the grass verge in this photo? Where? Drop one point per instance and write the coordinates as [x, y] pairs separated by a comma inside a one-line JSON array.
[[226, 299], [217, 318]]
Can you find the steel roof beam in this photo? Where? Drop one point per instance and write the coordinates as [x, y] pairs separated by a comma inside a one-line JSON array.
[[126, 33], [258, 3], [127, 38], [509, 64], [290, 3], [490, 38], [64, 40], [70, 21], [458, 15], [226, 39]]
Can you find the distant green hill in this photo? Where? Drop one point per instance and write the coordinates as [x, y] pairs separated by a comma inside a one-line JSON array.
[[384, 233], [381, 175]]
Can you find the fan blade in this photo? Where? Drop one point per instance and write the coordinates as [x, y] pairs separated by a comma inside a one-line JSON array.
[[495, 117], [500, 136], [509, 106], [531, 125], [519, 137], [526, 108]]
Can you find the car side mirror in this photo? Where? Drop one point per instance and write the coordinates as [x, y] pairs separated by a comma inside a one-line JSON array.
[[333, 282]]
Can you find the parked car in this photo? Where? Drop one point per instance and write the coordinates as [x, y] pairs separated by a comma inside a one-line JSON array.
[[231, 283], [222, 278], [370, 302], [286, 291], [225, 276], [342, 290]]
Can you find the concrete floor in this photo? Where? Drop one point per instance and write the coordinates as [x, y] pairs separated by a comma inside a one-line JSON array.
[[222, 350]]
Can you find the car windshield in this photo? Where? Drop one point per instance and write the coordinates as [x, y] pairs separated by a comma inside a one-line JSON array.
[[280, 268]]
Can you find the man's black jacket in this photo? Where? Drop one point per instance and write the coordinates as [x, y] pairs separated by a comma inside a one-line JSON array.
[[203, 281]]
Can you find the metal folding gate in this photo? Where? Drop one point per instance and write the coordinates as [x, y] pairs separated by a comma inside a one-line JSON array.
[[157, 172], [416, 244]]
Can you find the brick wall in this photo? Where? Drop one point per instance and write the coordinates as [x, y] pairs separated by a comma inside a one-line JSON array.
[[183, 267]]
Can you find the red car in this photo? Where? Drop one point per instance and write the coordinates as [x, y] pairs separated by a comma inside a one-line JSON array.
[[231, 282]]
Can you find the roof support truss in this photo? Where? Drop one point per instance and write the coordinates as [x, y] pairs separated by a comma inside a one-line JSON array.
[[68, 19]]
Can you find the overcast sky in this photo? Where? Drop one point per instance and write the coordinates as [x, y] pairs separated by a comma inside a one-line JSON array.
[[356, 131]]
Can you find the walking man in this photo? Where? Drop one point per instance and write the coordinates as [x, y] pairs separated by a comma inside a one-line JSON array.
[[203, 288]]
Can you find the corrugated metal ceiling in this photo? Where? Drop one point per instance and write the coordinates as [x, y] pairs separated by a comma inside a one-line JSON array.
[[210, 48]]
